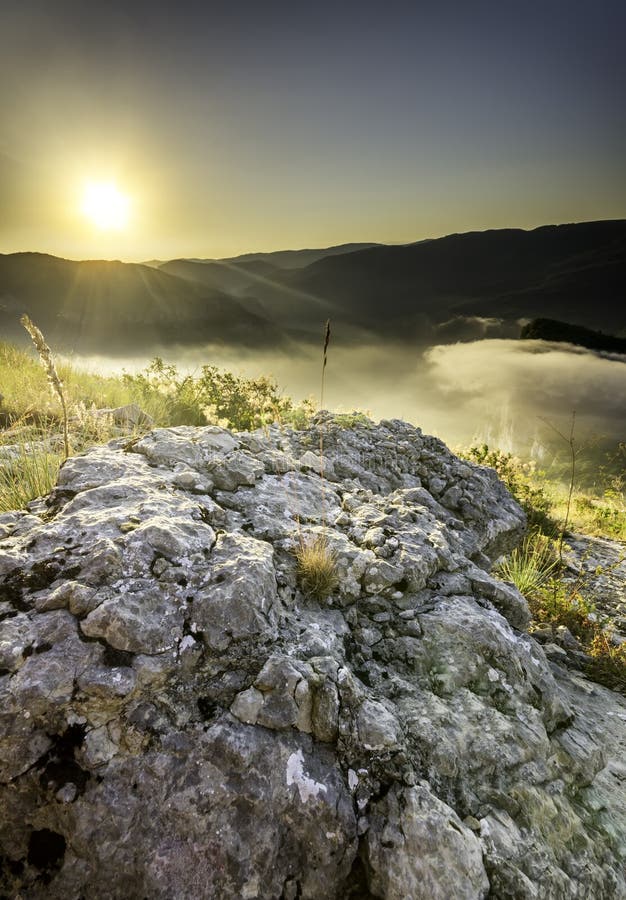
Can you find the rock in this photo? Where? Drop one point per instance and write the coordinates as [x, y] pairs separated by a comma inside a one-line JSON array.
[[131, 414], [178, 720], [566, 639], [247, 705], [419, 848], [378, 729]]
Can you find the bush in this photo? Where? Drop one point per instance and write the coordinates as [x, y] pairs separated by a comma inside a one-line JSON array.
[[215, 396]]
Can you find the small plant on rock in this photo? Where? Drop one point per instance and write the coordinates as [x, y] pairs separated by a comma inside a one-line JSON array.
[[316, 567], [530, 565], [316, 563]]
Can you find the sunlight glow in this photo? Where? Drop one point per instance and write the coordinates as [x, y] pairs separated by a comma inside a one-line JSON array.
[[105, 206]]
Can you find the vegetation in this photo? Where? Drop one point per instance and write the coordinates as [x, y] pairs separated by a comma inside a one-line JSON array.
[[316, 567], [31, 415], [554, 601], [599, 510], [537, 569], [31, 473], [214, 396], [531, 565], [47, 361], [166, 395], [316, 563], [554, 330]]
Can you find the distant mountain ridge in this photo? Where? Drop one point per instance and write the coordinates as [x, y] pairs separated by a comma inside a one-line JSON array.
[[110, 307], [553, 330], [572, 272], [441, 290]]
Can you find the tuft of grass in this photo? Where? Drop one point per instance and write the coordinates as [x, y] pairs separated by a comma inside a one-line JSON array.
[[530, 565], [33, 473], [316, 567], [535, 569]]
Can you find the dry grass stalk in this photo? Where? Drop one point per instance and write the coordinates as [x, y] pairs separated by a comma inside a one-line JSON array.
[[324, 362], [317, 568], [47, 361], [316, 562], [569, 440]]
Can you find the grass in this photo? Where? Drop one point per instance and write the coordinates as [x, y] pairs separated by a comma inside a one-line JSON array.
[[536, 566], [535, 569], [316, 563], [316, 568], [530, 565], [599, 511], [26, 394], [33, 473]]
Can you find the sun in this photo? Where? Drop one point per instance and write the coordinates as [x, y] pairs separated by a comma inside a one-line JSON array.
[[105, 206]]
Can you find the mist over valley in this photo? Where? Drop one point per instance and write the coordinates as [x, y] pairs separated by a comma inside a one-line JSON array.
[[428, 332]]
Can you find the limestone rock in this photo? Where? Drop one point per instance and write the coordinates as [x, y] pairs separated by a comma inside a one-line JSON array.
[[419, 848], [178, 720]]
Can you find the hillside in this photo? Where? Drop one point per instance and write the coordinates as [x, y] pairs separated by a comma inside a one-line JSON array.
[[437, 291], [295, 259], [113, 306], [576, 272], [553, 330]]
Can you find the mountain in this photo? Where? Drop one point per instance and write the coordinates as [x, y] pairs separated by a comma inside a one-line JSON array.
[[295, 259], [459, 287], [553, 330], [572, 272], [235, 278], [111, 307], [241, 274]]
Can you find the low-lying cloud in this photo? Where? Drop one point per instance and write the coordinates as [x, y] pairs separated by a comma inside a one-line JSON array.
[[508, 393]]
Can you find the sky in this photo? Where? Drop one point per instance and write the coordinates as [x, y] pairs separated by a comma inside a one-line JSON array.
[[236, 127]]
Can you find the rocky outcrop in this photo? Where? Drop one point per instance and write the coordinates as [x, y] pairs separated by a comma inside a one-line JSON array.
[[178, 720]]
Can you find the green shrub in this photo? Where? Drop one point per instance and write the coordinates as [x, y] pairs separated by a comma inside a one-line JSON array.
[[214, 396], [352, 420]]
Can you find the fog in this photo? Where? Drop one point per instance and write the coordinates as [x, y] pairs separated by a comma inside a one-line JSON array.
[[507, 393]]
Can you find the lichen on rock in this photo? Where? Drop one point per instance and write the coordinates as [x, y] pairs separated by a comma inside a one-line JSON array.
[[177, 719]]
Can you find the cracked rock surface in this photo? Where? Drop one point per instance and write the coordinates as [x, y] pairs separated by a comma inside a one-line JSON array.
[[178, 720]]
